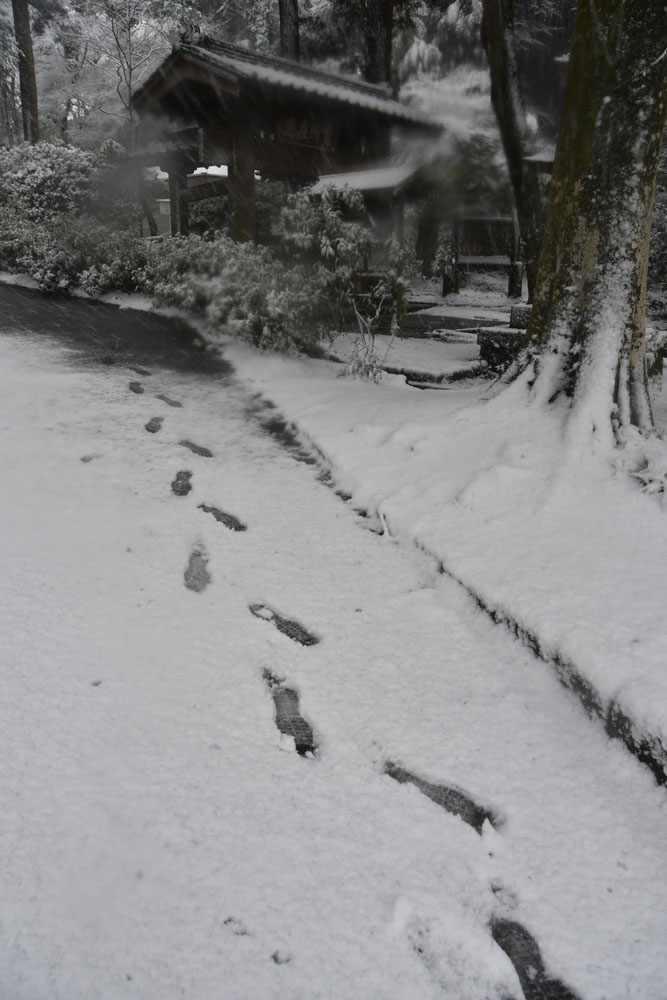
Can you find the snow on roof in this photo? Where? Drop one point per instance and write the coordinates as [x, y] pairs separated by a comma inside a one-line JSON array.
[[378, 179], [286, 75], [212, 171]]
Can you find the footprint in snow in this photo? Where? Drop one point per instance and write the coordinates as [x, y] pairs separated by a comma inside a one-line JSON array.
[[228, 520], [169, 401], [136, 387], [292, 629], [453, 800], [524, 953], [181, 485], [197, 449], [288, 718], [154, 424], [196, 575]]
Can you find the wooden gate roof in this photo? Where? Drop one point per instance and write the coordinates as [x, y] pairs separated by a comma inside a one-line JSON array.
[[236, 71]]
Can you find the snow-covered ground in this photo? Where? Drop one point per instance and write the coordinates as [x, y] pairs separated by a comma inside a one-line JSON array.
[[412, 354], [541, 532], [160, 837]]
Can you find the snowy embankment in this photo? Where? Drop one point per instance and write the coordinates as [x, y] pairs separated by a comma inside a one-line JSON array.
[[570, 554]]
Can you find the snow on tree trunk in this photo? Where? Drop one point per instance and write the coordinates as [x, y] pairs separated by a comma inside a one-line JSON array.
[[27, 79], [289, 29], [498, 39], [587, 328]]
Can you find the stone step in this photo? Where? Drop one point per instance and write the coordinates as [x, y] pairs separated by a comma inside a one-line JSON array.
[[418, 323]]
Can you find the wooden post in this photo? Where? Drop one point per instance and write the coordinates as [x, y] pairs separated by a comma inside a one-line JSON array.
[[243, 193], [178, 204], [398, 213]]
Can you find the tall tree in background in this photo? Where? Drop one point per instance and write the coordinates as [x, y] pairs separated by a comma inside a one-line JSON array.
[[26, 65], [378, 32], [543, 36], [507, 100], [587, 327], [10, 126], [289, 29]]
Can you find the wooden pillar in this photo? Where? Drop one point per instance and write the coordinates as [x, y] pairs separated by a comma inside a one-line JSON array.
[[242, 183], [398, 212], [178, 203]]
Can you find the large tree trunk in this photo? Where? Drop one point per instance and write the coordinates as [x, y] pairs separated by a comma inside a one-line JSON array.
[[378, 31], [498, 39], [587, 328], [289, 29], [27, 80]]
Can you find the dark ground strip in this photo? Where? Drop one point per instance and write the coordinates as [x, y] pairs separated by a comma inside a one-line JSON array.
[[168, 401], [196, 449], [136, 387], [451, 799], [181, 485], [283, 433], [279, 429], [292, 629], [154, 424], [523, 952], [228, 520], [106, 335], [288, 717]]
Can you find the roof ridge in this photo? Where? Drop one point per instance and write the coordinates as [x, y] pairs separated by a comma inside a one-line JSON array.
[[217, 46]]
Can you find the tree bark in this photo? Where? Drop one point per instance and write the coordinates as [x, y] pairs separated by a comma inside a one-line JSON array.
[[498, 40], [27, 79], [289, 29], [378, 29], [587, 327]]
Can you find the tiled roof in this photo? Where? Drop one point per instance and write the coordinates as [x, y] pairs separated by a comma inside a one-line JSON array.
[[282, 74]]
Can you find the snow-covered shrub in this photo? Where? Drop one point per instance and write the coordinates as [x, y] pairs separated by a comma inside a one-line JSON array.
[[239, 286], [210, 215], [119, 262], [335, 248], [52, 179], [62, 252], [270, 197], [15, 236], [45, 179], [79, 252]]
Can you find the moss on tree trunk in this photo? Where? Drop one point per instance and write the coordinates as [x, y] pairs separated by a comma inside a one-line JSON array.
[[587, 329]]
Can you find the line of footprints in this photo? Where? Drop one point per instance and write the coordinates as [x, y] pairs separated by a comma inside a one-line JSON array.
[[518, 944]]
